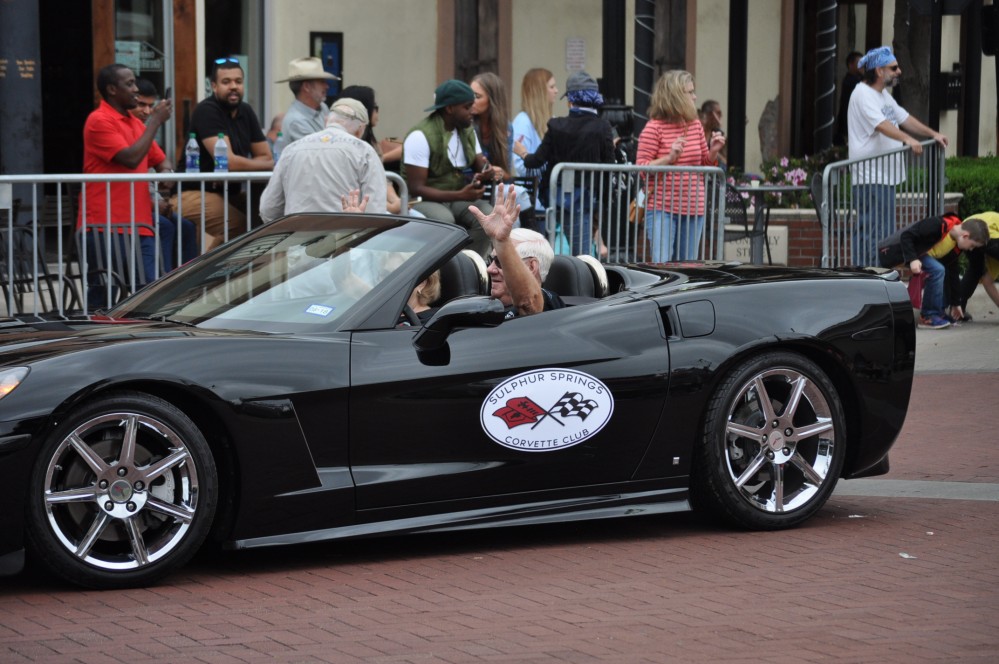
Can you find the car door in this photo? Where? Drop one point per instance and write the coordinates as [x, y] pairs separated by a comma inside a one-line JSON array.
[[560, 400]]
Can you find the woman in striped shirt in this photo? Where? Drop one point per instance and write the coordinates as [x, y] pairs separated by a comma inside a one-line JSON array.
[[673, 136]]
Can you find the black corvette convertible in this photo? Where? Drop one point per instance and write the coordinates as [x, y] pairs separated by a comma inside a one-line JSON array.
[[278, 390]]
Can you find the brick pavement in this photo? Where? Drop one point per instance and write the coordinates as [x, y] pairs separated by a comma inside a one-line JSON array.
[[870, 579]]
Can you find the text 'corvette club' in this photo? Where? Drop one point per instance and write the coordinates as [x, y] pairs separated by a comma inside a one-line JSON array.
[[546, 410]]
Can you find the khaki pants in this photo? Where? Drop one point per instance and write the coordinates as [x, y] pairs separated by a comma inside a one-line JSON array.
[[214, 216], [457, 213]]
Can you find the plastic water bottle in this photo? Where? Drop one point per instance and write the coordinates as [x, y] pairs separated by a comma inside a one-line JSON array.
[[277, 147], [192, 155], [221, 155]]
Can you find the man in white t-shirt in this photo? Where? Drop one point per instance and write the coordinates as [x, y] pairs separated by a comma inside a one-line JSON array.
[[443, 163], [875, 122]]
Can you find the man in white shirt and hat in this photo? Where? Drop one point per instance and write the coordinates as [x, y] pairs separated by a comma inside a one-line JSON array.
[[316, 172], [309, 82]]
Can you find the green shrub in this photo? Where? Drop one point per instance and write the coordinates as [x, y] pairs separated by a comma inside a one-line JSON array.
[[978, 179]]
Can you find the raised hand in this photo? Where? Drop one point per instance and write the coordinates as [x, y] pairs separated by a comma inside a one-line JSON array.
[[353, 202], [498, 223]]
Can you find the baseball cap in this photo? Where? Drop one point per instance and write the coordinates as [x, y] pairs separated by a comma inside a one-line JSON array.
[[579, 81], [351, 108], [451, 92]]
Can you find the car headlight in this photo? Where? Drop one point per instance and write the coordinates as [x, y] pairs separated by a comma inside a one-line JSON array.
[[10, 379]]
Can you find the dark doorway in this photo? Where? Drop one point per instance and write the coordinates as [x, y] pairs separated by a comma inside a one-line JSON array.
[[223, 30], [805, 60], [476, 38], [67, 82]]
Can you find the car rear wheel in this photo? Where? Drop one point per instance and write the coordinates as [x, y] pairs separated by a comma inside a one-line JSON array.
[[774, 443], [124, 491]]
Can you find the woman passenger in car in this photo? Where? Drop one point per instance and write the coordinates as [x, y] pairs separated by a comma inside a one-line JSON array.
[[425, 294]]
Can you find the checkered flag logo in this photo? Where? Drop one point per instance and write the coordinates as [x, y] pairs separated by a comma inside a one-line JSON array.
[[572, 404]]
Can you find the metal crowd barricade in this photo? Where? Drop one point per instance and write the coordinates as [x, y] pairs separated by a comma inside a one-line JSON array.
[[42, 275], [863, 201], [586, 198], [402, 188], [56, 214]]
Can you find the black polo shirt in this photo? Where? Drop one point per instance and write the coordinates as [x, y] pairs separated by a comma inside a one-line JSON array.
[[211, 118]]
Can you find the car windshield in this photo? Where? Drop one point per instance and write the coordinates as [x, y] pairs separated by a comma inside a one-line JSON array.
[[297, 274]]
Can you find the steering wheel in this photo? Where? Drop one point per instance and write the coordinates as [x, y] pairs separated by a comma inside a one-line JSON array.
[[411, 316]]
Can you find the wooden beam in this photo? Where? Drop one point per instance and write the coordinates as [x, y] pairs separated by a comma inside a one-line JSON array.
[[102, 17], [445, 40], [185, 67]]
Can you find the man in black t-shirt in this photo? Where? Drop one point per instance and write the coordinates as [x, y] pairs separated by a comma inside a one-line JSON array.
[[520, 258], [225, 112]]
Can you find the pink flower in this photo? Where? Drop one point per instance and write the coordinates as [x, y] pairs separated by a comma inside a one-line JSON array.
[[784, 162]]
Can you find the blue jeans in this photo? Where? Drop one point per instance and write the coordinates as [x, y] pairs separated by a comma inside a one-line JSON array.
[[674, 237], [576, 221], [98, 264], [933, 286], [875, 205], [169, 230]]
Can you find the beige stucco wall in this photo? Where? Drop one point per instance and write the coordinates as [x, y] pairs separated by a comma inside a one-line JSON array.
[[540, 31], [987, 140], [388, 45], [710, 66], [397, 57], [763, 70], [950, 52]]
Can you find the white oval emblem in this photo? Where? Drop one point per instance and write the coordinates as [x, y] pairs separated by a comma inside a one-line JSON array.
[[546, 409]]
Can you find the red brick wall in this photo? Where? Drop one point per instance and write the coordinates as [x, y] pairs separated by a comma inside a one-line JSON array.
[[804, 236]]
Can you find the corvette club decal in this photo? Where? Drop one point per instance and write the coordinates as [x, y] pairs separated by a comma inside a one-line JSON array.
[[546, 410]]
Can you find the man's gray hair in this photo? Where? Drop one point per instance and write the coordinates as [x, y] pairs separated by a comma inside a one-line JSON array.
[[344, 116], [532, 244]]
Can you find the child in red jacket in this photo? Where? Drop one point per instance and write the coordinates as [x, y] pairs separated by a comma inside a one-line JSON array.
[[932, 245]]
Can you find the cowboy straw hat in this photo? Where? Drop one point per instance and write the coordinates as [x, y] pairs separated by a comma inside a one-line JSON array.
[[307, 69]]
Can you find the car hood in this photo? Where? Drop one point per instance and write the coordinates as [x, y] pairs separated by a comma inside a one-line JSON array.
[[24, 341]]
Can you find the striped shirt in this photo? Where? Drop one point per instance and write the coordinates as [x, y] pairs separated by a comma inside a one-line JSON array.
[[678, 193]]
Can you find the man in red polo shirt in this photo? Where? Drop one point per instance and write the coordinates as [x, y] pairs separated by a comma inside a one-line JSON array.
[[114, 141]]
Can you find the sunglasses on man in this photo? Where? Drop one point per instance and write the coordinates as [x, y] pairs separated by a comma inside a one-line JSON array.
[[493, 258]]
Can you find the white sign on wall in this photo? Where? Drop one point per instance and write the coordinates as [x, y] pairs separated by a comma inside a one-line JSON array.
[[741, 250], [575, 54]]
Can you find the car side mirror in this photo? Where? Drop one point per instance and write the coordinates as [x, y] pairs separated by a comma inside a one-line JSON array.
[[474, 311]]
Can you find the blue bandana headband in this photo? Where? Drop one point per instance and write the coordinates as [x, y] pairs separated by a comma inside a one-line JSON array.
[[877, 57], [585, 97]]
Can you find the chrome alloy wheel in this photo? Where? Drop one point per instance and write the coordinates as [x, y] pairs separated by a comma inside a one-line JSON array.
[[121, 491], [780, 440]]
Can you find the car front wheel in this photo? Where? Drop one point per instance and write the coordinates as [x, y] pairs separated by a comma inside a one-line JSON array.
[[124, 491], [774, 443]]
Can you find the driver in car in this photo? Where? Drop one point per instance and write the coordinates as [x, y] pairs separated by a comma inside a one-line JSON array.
[[520, 258]]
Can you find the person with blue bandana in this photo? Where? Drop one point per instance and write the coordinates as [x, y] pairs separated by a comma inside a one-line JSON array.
[[878, 124]]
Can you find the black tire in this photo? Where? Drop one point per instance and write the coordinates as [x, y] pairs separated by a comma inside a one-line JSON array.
[[770, 463], [124, 491]]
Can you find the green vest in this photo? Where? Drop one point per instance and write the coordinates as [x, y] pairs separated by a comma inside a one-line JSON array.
[[441, 173]]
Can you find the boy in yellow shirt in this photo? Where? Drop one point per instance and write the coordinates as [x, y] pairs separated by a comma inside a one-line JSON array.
[[983, 267]]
